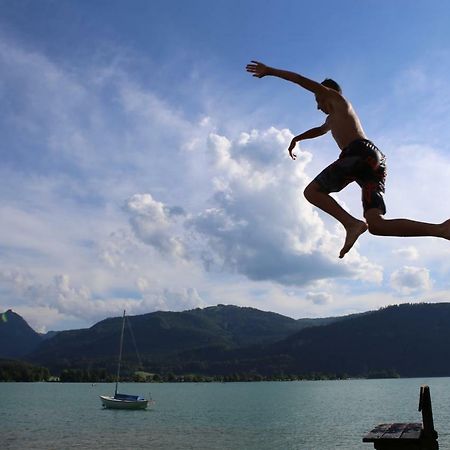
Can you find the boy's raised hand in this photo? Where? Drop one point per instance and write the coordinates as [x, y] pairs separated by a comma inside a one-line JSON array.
[[258, 69], [291, 149]]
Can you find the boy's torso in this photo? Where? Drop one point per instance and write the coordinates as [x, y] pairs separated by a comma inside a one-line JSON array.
[[344, 124]]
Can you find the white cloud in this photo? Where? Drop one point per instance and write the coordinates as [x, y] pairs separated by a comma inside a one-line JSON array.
[[409, 280], [259, 224], [172, 299], [61, 299], [319, 298], [153, 224], [410, 253]]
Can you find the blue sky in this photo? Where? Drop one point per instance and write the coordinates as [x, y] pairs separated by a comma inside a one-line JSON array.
[[143, 168]]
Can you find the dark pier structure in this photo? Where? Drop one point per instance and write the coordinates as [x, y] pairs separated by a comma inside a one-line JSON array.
[[408, 436]]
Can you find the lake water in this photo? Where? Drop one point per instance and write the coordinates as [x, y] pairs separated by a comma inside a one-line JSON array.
[[309, 415]]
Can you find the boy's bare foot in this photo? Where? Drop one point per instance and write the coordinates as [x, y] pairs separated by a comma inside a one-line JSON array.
[[353, 233]]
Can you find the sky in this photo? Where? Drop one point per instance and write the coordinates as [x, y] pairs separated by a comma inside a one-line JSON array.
[[143, 169]]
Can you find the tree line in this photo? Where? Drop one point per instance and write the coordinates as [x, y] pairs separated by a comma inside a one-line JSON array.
[[20, 371]]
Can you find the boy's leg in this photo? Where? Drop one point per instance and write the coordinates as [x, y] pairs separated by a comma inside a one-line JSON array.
[[404, 227], [353, 227]]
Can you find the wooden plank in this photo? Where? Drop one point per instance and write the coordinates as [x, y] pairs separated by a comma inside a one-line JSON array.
[[393, 431], [413, 431], [376, 433]]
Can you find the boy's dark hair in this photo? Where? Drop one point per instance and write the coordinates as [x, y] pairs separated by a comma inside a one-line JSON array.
[[329, 83]]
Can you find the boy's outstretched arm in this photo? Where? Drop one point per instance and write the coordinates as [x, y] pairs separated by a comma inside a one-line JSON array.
[[260, 70], [310, 134]]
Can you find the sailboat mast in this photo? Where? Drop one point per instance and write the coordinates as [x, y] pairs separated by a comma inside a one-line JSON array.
[[120, 352]]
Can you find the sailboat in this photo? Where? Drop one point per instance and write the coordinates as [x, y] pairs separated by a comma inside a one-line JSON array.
[[123, 401]]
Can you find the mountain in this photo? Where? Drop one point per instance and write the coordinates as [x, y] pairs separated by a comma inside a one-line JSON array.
[[48, 335], [411, 340], [162, 336], [17, 338], [408, 339]]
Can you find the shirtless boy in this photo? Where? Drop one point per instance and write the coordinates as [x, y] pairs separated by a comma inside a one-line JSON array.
[[360, 160]]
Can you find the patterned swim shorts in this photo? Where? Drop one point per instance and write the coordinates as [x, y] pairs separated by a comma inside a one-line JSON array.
[[363, 162]]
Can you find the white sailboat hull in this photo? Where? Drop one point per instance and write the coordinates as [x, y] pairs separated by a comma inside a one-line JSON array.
[[114, 403]]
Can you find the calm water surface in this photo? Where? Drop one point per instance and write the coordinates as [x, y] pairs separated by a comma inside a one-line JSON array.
[[310, 415]]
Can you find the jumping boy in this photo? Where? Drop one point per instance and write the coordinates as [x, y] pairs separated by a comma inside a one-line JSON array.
[[360, 160]]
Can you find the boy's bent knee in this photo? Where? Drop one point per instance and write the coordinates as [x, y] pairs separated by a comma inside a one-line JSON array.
[[375, 222], [312, 190], [375, 228]]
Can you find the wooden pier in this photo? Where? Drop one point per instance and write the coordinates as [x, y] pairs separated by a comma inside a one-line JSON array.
[[408, 436]]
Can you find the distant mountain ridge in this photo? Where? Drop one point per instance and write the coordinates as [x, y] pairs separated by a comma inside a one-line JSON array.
[[17, 338], [165, 335], [407, 339], [411, 340]]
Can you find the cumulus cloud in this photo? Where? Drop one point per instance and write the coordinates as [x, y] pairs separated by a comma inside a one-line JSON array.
[[410, 253], [408, 280], [60, 294], [319, 298], [112, 250], [154, 223], [257, 222], [61, 298], [170, 299]]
